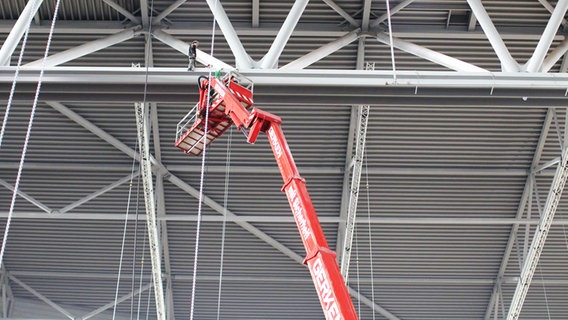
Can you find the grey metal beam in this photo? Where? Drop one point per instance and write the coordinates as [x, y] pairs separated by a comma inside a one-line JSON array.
[[26, 196], [17, 31], [270, 60], [507, 62], [112, 216], [242, 59], [539, 238], [520, 210], [322, 52], [143, 129], [342, 13], [419, 171], [122, 11], [42, 297], [96, 193], [86, 48], [535, 62], [171, 8], [428, 54], [393, 11], [113, 303]]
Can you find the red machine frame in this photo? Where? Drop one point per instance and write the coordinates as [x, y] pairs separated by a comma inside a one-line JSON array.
[[230, 101]]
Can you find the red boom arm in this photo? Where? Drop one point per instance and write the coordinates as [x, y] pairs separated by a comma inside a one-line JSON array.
[[320, 259]]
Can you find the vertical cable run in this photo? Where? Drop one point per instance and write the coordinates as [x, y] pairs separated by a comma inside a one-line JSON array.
[[370, 235], [124, 231], [201, 180], [224, 228], [28, 133]]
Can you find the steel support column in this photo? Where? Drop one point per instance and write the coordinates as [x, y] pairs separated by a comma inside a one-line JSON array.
[[539, 238], [143, 128], [520, 210], [18, 31], [270, 60]]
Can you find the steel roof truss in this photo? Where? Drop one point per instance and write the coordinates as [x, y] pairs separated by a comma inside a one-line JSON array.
[[86, 48], [183, 47], [29, 198], [393, 11], [143, 128], [7, 294], [520, 210], [242, 59], [535, 62], [531, 261], [97, 193], [508, 64], [122, 11], [161, 212], [167, 11], [342, 13], [42, 297], [270, 60], [322, 52], [118, 301], [428, 54], [11, 42]]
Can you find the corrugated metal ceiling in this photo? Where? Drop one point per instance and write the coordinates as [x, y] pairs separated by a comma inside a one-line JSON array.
[[441, 187]]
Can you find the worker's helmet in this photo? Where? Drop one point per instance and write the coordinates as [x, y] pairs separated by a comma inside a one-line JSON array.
[[195, 42]]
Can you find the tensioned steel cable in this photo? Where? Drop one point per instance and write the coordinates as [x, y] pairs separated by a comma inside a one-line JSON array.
[[202, 179], [28, 132], [370, 235], [224, 227], [124, 231]]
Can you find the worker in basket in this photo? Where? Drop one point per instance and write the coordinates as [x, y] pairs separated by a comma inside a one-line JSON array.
[[192, 54]]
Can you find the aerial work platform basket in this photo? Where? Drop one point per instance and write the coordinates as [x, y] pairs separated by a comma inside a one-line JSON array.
[[191, 129]]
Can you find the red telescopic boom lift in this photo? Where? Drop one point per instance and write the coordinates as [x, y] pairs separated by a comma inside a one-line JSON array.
[[230, 101]]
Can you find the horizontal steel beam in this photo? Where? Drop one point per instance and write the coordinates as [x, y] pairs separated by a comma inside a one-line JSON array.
[[375, 88], [285, 219]]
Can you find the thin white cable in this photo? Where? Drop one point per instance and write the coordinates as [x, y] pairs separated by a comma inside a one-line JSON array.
[[28, 134], [545, 294], [358, 273], [201, 181], [370, 235], [14, 82], [390, 41], [224, 228], [124, 230], [141, 274]]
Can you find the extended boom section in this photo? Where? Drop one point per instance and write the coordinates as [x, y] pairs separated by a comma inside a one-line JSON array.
[[228, 102]]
